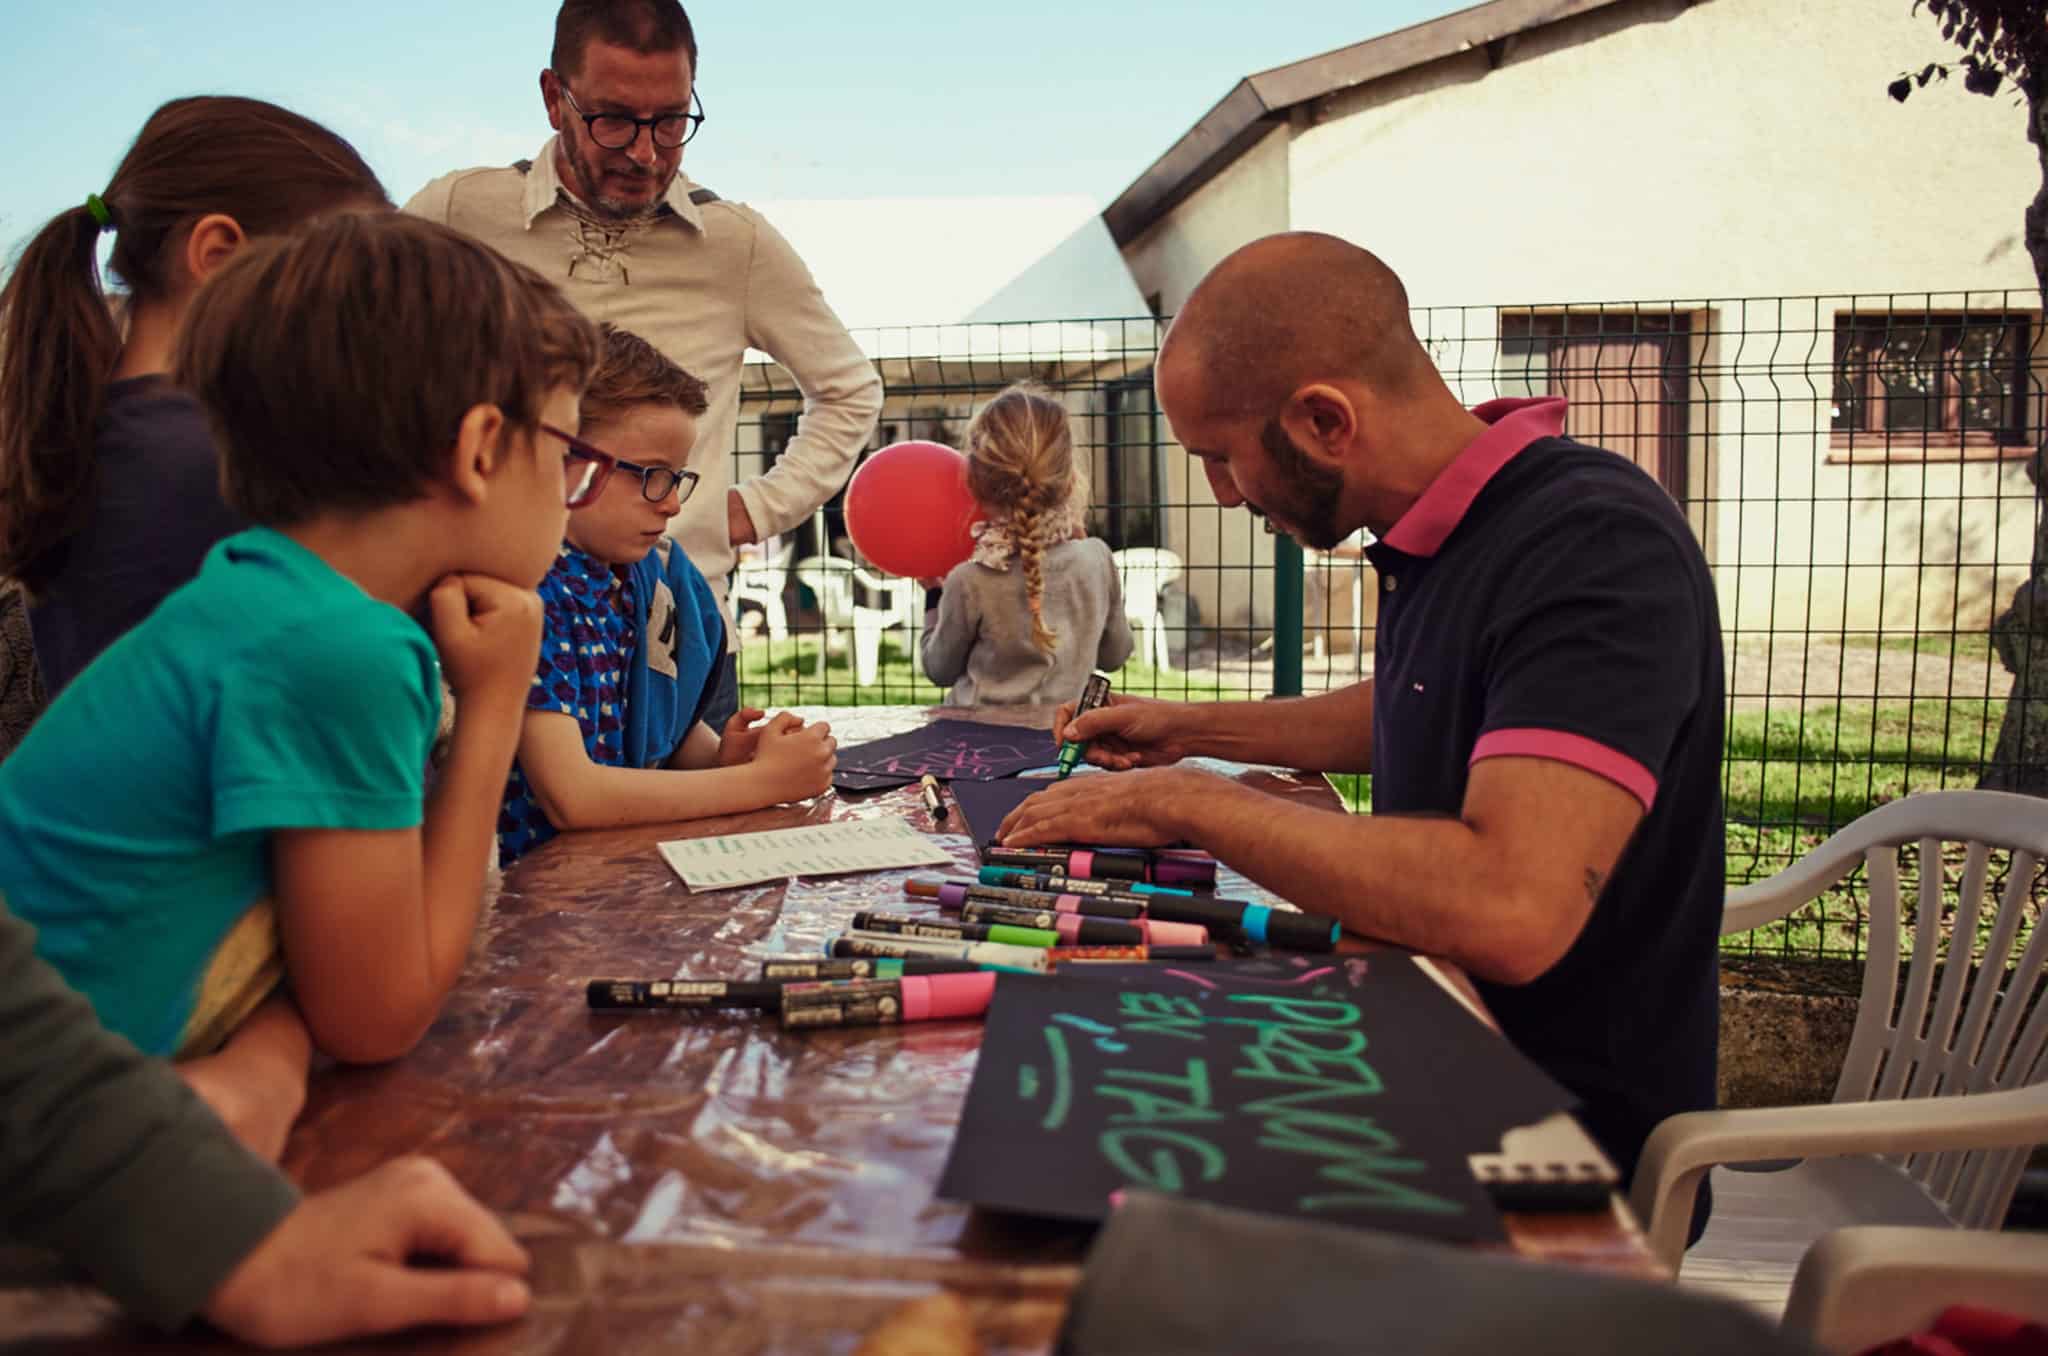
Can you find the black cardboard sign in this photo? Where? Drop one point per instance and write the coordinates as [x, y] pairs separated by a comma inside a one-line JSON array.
[[1347, 1091], [951, 750]]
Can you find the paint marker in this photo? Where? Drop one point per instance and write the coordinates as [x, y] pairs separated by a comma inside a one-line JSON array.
[[1260, 923], [1092, 696], [879, 1002], [1125, 955], [1077, 929], [951, 894], [888, 967], [1068, 929], [617, 994], [947, 930], [1108, 864], [1130, 891], [934, 803], [987, 955]]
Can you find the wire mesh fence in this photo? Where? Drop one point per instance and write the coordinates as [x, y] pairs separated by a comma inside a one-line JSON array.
[[1855, 467]]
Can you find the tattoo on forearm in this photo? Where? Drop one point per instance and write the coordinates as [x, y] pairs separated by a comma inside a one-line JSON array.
[[1594, 882]]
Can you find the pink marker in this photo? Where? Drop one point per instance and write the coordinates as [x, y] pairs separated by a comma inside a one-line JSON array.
[[883, 1002]]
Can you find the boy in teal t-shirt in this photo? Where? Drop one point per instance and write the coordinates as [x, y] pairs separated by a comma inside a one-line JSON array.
[[378, 386], [269, 693]]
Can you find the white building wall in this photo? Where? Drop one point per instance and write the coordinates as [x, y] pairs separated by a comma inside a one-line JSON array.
[[1663, 152]]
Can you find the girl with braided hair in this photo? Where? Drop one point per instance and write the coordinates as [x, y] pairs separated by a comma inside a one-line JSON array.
[[1036, 608]]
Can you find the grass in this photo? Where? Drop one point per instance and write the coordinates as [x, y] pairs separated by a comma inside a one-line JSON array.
[[1791, 776], [783, 674], [1959, 644]]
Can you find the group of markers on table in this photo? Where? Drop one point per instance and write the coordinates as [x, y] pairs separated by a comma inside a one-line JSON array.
[[1032, 911]]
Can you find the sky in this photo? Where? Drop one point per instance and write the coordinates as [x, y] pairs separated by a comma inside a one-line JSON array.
[[819, 99]]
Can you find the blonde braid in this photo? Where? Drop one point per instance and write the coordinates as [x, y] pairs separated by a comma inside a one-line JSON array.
[[1020, 467], [1031, 525]]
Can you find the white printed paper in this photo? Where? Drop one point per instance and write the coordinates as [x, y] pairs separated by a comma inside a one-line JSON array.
[[834, 849]]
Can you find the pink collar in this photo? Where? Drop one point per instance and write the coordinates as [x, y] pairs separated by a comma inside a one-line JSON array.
[[1515, 424]]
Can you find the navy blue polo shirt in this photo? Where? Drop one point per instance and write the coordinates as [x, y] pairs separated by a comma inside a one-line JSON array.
[[1547, 599]]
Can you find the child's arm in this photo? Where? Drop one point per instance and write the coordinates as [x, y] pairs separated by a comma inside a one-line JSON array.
[[792, 761], [949, 634], [377, 923], [256, 1083]]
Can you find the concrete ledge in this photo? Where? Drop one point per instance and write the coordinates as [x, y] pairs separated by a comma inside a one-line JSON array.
[[1785, 1027]]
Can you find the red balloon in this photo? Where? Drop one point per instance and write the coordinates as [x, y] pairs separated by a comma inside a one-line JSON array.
[[909, 511]]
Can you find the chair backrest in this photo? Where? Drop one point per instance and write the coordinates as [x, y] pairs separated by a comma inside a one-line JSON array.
[[1143, 572], [769, 573], [831, 580], [904, 605], [1967, 1034]]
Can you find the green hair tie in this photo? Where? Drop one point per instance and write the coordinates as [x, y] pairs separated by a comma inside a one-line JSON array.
[[100, 213]]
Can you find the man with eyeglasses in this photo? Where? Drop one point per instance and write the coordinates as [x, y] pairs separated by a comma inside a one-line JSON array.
[[606, 213]]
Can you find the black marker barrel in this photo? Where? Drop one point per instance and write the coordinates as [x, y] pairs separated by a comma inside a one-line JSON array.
[[1259, 923], [614, 994], [1147, 898], [1074, 929], [945, 929], [951, 894], [1081, 863], [860, 967]]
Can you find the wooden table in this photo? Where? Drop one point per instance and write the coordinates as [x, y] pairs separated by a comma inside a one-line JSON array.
[[706, 1184]]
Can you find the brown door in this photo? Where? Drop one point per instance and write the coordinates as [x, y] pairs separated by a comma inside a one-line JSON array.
[[1624, 376]]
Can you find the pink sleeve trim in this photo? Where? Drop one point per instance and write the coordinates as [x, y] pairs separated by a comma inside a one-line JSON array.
[[1577, 750]]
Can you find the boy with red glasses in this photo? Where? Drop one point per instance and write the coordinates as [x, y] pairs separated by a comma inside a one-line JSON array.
[[632, 639]]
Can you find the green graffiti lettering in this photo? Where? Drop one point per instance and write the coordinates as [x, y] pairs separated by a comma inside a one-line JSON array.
[[1161, 1014], [1302, 1011], [1162, 1171], [1191, 1097]]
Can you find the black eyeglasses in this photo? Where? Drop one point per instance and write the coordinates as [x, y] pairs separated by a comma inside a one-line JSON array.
[[618, 131], [657, 481]]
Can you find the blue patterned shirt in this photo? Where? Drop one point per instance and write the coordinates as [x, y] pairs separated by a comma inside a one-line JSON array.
[[588, 643]]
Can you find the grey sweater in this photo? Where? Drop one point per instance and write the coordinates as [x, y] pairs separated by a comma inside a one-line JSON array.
[[978, 639], [106, 1155]]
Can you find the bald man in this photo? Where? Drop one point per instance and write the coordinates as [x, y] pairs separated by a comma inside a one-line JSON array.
[[1543, 726]]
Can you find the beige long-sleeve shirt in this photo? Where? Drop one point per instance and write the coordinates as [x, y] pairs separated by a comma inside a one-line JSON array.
[[703, 283]]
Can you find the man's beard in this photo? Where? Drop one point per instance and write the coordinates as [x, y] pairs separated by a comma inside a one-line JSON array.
[[1311, 493], [591, 175]]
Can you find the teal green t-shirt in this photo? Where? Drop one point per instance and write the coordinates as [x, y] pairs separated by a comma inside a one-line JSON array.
[[270, 692]]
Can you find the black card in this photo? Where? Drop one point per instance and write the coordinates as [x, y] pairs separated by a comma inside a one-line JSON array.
[[1349, 1091], [984, 805], [951, 750]]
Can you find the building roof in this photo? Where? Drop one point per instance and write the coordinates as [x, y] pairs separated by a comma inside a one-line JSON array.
[[1250, 110]]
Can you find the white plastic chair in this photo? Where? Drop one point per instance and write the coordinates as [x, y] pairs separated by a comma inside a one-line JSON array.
[[1324, 576], [761, 583], [832, 580], [1935, 1110], [1143, 572], [1859, 1288]]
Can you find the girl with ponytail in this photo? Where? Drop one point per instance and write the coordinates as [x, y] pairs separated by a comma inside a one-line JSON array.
[[109, 492], [1037, 607]]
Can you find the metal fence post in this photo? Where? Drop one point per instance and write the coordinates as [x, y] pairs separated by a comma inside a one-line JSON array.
[[1286, 616]]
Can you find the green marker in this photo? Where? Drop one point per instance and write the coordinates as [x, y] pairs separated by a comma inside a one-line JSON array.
[[946, 930], [1092, 696]]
